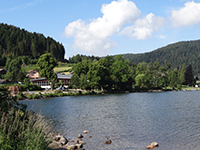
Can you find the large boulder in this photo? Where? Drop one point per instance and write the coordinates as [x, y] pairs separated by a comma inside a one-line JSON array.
[[61, 139]]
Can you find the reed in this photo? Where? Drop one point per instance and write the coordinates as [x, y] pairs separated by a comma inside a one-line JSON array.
[[23, 130]]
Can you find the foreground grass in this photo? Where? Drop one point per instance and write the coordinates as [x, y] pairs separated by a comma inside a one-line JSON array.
[[21, 129]]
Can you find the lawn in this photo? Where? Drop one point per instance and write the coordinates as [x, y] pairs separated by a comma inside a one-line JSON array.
[[63, 69]]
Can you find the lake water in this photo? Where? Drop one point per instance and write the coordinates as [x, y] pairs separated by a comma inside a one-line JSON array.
[[132, 120]]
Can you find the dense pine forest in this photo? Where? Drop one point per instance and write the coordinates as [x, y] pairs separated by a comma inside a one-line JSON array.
[[19, 42], [176, 54]]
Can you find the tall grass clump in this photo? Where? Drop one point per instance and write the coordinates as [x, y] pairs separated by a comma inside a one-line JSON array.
[[21, 129]]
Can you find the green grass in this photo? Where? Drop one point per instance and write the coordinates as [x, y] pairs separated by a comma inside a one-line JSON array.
[[23, 130], [62, 68]]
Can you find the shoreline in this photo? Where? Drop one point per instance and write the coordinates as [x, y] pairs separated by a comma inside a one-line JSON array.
[[48, 94]]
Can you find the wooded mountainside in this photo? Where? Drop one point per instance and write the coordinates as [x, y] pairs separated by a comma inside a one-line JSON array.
[[19, 42], [176, 54]]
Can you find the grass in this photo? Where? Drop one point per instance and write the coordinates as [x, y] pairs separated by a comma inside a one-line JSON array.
[[62, 68], [65, 68], [23, 130]]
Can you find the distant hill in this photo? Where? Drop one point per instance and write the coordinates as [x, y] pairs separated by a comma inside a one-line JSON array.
[[187, 52], [19, 42]]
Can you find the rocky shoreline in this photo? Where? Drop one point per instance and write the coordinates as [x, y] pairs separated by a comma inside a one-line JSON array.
[[62, 143]]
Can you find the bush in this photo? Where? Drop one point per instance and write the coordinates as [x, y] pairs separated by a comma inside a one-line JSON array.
[[3, 88], [35, 96], [20, 96], [29, 96]]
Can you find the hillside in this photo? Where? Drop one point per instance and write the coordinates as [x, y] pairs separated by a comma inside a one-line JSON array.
[[19, 42], [187, 52]]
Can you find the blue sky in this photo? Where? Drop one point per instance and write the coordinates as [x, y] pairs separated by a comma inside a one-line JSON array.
[[106, 27]]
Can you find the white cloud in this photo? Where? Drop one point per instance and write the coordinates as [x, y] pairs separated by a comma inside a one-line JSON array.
[[144, 27], [94, 37], [186, 16]]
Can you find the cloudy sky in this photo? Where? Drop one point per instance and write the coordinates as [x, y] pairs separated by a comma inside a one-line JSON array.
[[106, 27]]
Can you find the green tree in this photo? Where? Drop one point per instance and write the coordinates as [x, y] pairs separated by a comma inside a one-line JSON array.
[[46, 64], [174, 78], [140, 80], [189, 77], [182, 76], [119, 71], [14, 72]]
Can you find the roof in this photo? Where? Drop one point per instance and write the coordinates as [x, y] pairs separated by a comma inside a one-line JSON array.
[[3, 71], [63, 76], [33, 70], [3, 81], [38, 79], [59, 76]]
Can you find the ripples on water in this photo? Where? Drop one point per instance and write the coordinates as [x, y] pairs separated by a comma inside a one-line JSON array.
[[132, 120]]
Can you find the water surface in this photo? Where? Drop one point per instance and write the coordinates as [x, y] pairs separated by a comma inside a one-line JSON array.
[[132, 121]]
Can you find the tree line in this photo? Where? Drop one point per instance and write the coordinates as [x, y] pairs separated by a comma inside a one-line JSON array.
[[116, 73], [19, 42], [79, 58], [108, 73], [177, 54]]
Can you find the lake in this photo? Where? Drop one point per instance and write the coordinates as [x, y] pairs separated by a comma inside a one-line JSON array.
[[131, 120]]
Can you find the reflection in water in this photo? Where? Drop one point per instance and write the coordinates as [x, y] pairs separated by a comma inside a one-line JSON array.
[[132, 120]]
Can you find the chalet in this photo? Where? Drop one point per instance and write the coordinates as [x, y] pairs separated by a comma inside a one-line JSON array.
[[44, 83], [64, 78], [33, 74]]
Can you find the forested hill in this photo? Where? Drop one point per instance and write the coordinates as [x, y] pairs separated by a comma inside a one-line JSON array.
[[176, 54], [19, 42]]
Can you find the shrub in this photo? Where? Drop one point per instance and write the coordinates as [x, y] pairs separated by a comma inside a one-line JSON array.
[[20, 96], [35, 96], [29, 96], [3, 88]]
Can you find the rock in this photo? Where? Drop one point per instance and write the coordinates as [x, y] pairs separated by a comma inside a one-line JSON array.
[[57, 138], [82, 142], [85, 132], [54, 145], [70, 140], [79, 146], [89, 136], [80, 136], [149, 147], [108, 142], [61, 139], [154, 144], [71, 147]]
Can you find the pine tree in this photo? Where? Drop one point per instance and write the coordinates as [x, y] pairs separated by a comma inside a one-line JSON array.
[[182, 76], [189, 77]]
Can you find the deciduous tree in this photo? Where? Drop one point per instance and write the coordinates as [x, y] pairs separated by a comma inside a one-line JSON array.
[[46, 64]]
